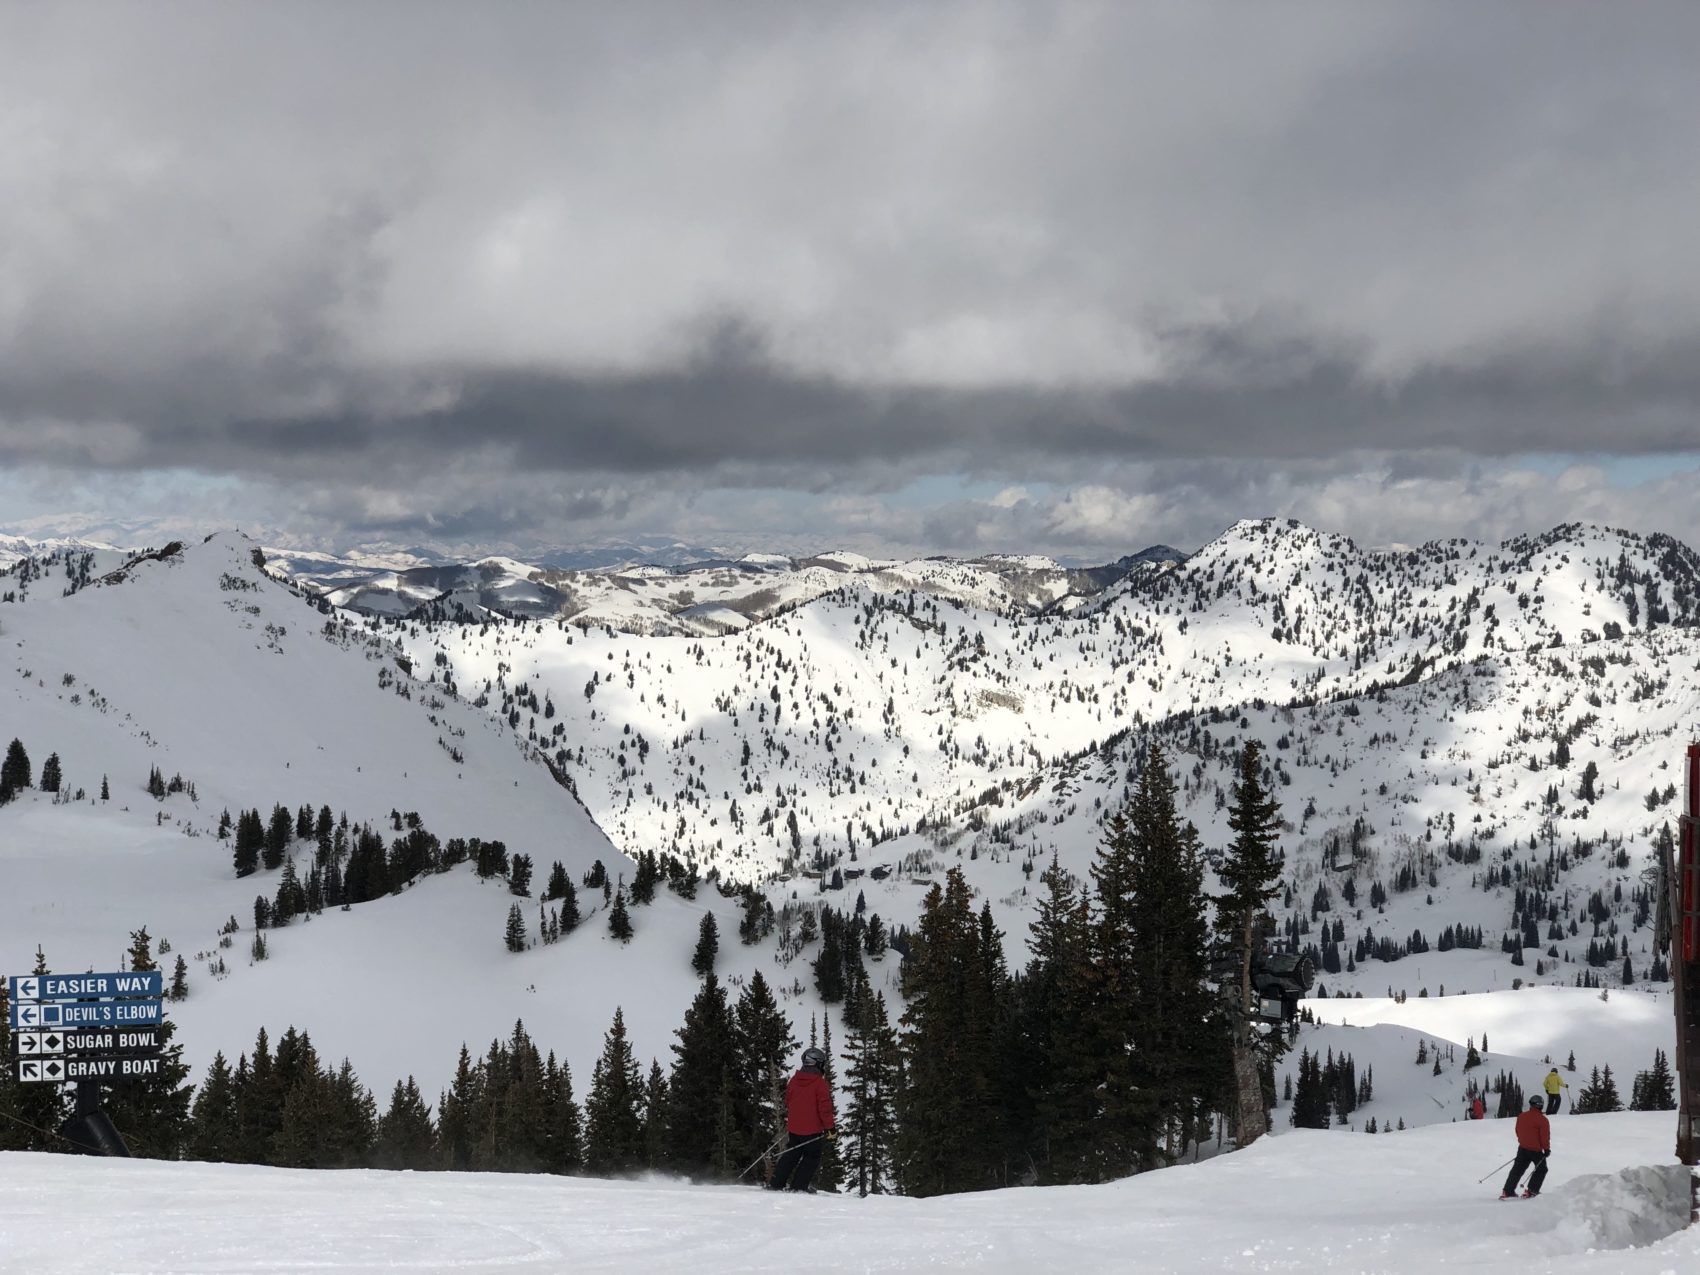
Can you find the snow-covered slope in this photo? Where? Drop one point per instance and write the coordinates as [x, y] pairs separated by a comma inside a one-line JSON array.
[[197, 663], [1425, 714], [1463, 738], [1401, 1202]]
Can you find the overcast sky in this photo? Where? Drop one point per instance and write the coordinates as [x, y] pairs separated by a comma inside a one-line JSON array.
[[953, 277]]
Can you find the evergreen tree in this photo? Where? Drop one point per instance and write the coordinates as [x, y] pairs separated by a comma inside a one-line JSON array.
[[278, 834], [179, 989], [15, 770], [645, 878], [519, 1105], [1511, 1100], [514, 935], [105, 789], [1060, 1035], [259, 1103], [51, 777], [764, 1046], [708, 946], [619, 921], [214, 1134], [1607, 1099], [559, 883], [1175, 1038], [291, 898], [152, 1112], [614, 1127], [304, 1129], [354, 1120], [1310, 1095], [1658, 1088], [702, 1090], [655, 1118], [948, 1115], [566, 1121], [1598, 1095], [829, 964], [568, 915], [458, 1115], [250, 840], [872, 1076], [1250, 876], [407, 1139]]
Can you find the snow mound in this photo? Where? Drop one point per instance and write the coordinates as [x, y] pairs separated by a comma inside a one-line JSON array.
[[1628, 1209]]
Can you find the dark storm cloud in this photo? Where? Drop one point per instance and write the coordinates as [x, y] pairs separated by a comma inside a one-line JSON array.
[[1237, 393], [391, 248]]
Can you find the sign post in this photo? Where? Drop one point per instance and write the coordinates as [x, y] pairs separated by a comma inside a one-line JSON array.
[[87, 1030]]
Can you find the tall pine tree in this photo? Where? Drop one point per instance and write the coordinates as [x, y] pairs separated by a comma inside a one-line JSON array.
[[868, 1128], [1059, 1035], [764, 1048], [1250, 877], [950, 1131], [702, 1133], [614, 1126], [406, 1137]]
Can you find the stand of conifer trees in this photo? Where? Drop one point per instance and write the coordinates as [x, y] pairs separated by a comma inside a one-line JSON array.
[[1108, 1054]]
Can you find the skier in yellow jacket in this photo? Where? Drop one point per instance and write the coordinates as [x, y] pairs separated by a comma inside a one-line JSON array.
[[1554, 1083]]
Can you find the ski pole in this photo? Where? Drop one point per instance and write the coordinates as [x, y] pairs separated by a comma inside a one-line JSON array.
[[1493, 1170], [762, 1156], [819, 1137]]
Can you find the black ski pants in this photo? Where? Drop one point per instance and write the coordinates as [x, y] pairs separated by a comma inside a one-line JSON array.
[[798, 1162], [1525, 1158], [1552, 1104]]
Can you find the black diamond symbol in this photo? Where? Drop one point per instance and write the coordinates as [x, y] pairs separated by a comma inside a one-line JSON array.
[[52, 1068], [52, 1041]]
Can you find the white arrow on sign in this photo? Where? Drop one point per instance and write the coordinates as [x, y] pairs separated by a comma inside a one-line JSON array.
[[29, 1016], [29, 989]]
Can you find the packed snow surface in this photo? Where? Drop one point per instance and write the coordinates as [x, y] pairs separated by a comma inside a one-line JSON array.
[[1315, 1202]]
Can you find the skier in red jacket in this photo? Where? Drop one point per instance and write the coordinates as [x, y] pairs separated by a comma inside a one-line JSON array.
[[809, 1121], [1534, 1144]]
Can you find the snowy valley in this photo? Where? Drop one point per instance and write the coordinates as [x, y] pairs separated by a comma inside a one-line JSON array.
[[1475, 750]]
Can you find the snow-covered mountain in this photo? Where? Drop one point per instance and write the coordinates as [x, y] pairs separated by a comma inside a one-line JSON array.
[[700, 597], [1463, 737]]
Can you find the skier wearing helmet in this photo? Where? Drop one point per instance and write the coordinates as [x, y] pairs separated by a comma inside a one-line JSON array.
[[1534, 1144], [808, 1120]]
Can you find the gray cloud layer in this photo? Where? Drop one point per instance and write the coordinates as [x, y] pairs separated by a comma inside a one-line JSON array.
[[391, 252]]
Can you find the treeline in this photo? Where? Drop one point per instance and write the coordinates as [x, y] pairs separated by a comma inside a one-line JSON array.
[[17, 773], [1653, 1090], [1111, 1052], [1328, 1089], [1114, 1049]]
